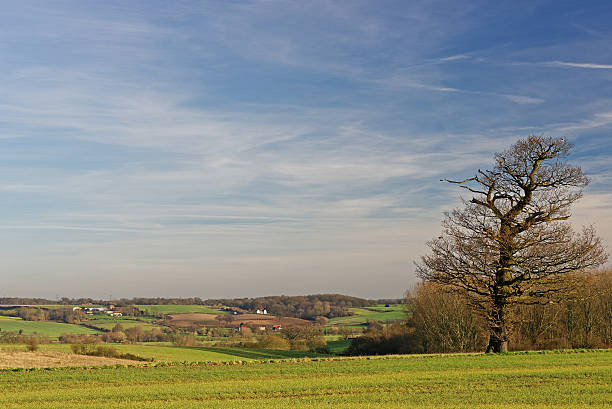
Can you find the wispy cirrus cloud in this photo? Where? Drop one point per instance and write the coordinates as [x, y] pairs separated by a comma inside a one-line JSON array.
[[564, 64], [260, 142], [597, 120], [577, 65]]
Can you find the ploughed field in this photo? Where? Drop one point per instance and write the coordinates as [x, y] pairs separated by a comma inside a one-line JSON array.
[[579, 379]]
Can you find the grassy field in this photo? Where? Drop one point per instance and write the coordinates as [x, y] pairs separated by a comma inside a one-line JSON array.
[[376, 313], [180, 309], [338, 346], [49, 328], [551, 380]]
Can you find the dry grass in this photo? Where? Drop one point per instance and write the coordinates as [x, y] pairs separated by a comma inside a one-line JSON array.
[[193, 317], [21, 359]]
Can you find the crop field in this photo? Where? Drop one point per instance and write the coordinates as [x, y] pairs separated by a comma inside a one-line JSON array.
[[377, 313], [180, 309], [517, 380], [51, 329]]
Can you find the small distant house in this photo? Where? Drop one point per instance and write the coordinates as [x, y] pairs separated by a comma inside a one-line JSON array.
[[276, 328], [258, 312], [76, 308], [114, 313], [265, 311], [91, 310]]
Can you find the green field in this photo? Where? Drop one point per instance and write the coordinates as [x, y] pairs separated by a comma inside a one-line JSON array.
[[377, 313], [534, 380], [338, 346], [180, 309], [49, 328]]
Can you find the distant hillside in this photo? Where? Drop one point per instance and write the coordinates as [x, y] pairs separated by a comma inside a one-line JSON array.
[[305, 307]]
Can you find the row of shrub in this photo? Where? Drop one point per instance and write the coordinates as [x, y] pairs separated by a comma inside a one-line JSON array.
[[293, 338], [105, 351]]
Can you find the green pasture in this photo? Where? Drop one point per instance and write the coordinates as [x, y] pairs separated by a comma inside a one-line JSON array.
[[180, 309], [338, 346], [391, 307], [51, 329], [377, 313], [533, 380]]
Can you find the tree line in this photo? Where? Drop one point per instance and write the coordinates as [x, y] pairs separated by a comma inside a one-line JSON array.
[[305, 307], [441, 320]]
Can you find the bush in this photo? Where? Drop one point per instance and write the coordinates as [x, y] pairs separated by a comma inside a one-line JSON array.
[[105, 351], [32, 344], [79, 339], [12, 337], [304, 338], [443, 321], [392, 339], [116, 337], [186, 341], [273, 342]]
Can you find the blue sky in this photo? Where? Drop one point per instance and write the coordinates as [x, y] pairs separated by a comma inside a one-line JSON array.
[[245, 148]]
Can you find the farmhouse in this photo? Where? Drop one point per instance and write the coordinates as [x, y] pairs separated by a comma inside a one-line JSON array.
[[114, 313], [91, 310]]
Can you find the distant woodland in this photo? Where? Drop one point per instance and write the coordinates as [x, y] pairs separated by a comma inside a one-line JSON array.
[[305, 307]]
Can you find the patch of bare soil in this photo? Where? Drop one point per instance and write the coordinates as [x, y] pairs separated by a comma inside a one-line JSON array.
[[253, 317], [22, 359]]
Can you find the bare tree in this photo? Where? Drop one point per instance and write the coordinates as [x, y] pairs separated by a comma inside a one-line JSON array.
[[511, 243]]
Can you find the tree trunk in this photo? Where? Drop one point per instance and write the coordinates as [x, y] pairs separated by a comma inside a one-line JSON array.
[[496, 344], [498, 338]]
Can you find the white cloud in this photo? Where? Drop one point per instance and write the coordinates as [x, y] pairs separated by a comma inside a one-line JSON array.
[[597, 120], [454, 58], [577, 65], [519, 99]]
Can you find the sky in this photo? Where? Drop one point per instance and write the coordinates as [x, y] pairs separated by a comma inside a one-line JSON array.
[[248, 148]]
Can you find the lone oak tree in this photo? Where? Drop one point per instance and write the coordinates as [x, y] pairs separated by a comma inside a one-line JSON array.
[[511, 243]]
